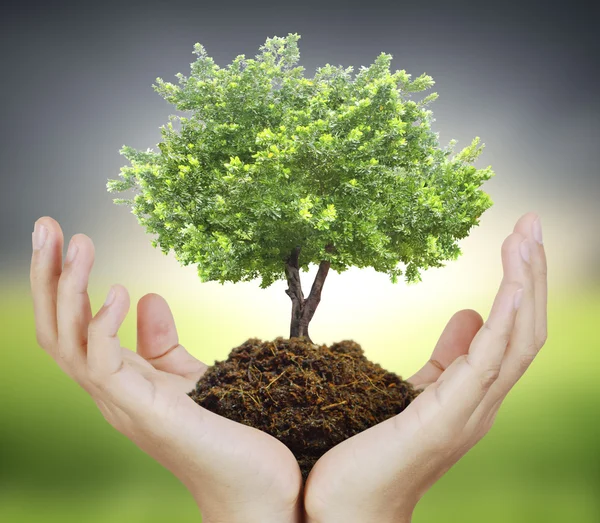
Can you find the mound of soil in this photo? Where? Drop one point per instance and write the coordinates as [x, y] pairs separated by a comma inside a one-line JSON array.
[[310, 397]]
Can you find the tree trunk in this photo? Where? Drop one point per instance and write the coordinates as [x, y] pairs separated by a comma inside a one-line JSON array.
[[303, 309]]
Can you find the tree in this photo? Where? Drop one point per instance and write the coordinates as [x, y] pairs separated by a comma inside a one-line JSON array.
[[272, 171]]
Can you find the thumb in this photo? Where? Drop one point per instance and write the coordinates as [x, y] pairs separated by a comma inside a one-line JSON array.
[[158, 342], [454, 341]]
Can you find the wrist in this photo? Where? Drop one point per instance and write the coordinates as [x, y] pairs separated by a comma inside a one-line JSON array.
[[252, 512], [405, 516], [404, 519], [249, 513], [249, 518], [219, 507], [400, 517]]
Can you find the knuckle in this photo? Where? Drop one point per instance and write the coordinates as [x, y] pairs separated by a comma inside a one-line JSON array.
[[83, 381], [541, 340], [96, 377], [37, 276], [485, 427], [460, 360], [513, 286], [486, 326], [44, 340], [543, 271], [511, 242], [94, 329], [64, 354], [481, 431], [502, 335], [488, 422], [478, 427], [110, 419], [506, 244], [105, 411], [489, 375], [525, 360], [485, 421], [67, 283]]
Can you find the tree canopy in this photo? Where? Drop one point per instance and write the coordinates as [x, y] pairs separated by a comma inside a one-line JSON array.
[[345, 167]]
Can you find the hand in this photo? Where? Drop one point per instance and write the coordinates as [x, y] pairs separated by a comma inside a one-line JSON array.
[[234, 472], [380, 474]]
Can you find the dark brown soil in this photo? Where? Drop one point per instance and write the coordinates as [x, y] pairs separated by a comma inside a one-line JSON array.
[[310, 397]]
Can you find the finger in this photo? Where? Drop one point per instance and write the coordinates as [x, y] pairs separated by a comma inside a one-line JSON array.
[[469, 378], [122, 384], [523, 346], [46, 267], [158, 342], [104, 354], [530, 226], [73, 303], [453, 342]]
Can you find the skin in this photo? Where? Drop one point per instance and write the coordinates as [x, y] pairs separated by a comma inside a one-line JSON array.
[[237, 473], [234, 472], [381, 473]]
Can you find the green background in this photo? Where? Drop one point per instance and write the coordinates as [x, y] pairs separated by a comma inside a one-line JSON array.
[[521, 75], [62, 462]]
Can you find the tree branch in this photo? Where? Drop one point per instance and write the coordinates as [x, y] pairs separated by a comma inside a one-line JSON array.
[[311, 303], [294, 290]]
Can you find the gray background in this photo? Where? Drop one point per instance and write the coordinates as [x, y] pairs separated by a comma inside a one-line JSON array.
[[77, 86]]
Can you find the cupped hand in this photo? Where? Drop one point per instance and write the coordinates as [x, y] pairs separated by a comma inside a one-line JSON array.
[[380, 474], [234, 472]]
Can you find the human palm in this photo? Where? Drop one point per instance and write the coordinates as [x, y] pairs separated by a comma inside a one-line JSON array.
[[238, 473], [234, 472], [381, 473]]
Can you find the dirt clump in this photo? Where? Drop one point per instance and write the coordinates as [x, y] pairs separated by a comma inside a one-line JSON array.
[[310, 397]]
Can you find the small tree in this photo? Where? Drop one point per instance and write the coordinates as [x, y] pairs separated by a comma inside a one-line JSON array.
[[273, 171]]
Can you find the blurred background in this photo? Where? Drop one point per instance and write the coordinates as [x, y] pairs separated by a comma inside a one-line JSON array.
[[77, 86]]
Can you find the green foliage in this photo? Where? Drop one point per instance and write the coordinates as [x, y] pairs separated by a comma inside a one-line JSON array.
[[269, 159]]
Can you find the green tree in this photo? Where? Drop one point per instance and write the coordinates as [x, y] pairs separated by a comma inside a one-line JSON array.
[[272, 171]]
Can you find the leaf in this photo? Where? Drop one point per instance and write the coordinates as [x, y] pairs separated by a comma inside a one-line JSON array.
[[267, 159]]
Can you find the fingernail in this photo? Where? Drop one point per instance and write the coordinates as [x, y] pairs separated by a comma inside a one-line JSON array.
[[537, 231], [518, 298], [110, 297], [525, 250], [72, 252], [38, 237]]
